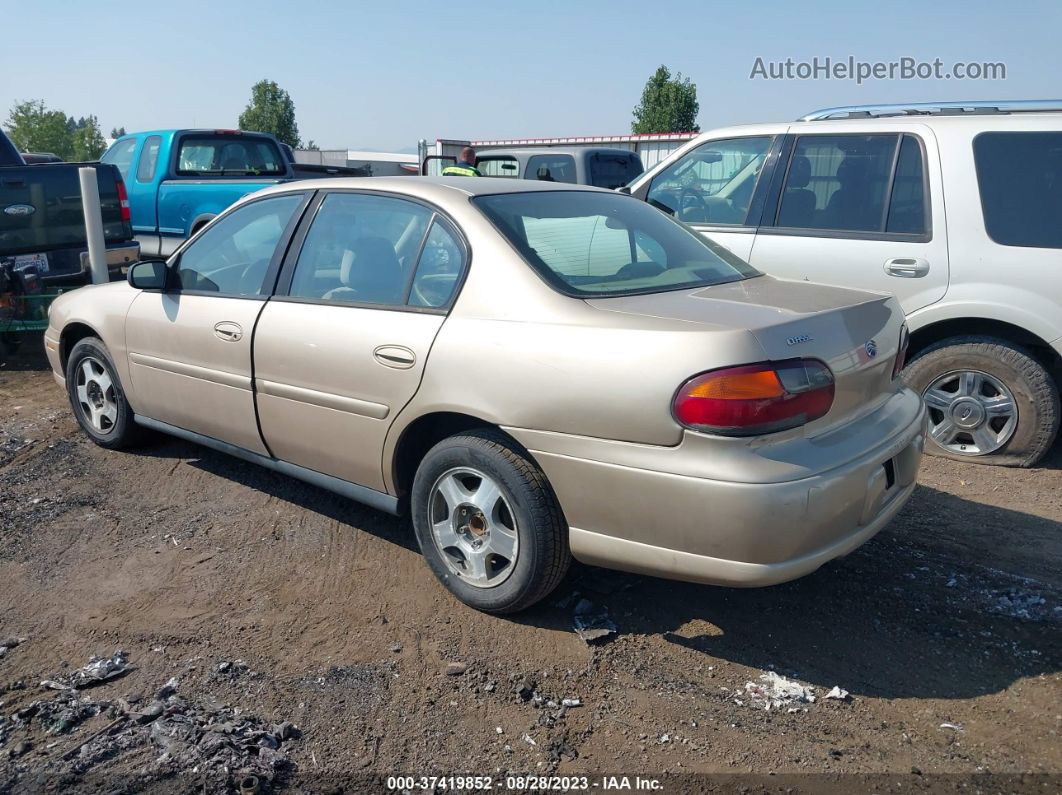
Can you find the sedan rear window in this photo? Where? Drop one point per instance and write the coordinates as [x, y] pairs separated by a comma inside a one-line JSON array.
[[594, 243]]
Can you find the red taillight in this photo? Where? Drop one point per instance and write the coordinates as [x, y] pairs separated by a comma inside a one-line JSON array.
[[228, 132], [123, 201], [755, 398], [901, 351]]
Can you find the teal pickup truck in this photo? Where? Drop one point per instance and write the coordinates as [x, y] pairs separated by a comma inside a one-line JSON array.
[[178, 180]]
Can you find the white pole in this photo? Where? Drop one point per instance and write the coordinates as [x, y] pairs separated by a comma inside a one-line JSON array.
[[90, 202]]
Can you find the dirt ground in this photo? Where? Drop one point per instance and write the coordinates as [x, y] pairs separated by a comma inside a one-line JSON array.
[[289, 603]]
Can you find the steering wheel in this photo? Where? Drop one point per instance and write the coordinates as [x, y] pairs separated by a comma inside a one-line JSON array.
[[691, 199], [426, 282]]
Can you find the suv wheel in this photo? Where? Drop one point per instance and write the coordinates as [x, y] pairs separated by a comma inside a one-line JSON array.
[[989, 401], [97, 398], [488, 523]]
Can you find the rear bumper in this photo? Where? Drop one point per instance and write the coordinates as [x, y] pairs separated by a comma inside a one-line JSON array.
[[739, 533], [71, 265]]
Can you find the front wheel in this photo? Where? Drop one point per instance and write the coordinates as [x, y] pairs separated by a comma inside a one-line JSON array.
[[97, 398], [989, 401], [488, 523]]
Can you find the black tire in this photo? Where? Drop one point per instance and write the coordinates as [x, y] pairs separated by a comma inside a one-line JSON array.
[[123, 431], [543, 554], [1035, 393]]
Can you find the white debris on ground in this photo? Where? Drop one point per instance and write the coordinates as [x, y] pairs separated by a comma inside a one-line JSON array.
[[774, 691], [98, 669]]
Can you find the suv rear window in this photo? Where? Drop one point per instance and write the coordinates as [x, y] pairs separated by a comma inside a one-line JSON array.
[[1020, 178], [592, 243], [613, 170], [225, 155]]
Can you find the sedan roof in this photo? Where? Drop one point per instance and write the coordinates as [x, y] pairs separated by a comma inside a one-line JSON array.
[[429, 187]]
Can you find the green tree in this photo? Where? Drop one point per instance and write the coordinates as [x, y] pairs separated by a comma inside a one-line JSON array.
[[271, 110], [117, 132], [668, 105], [310, 145], [87, 142], [33, 128]]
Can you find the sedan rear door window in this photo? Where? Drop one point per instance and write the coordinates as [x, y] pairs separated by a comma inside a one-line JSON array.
[[360, 249]]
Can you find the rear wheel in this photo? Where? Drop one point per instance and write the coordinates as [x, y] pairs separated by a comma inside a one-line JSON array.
[[97, 398], [989, 401], [488, 523]]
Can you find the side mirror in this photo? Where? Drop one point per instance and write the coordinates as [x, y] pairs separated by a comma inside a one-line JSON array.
[[149, 274]]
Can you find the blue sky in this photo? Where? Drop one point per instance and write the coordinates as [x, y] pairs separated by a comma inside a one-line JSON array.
[[382, 75]]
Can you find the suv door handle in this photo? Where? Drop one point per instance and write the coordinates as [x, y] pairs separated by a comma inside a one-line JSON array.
[[398, 356], [907, 267]]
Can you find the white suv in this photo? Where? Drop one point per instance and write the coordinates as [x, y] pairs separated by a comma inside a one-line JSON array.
[[956, 208]]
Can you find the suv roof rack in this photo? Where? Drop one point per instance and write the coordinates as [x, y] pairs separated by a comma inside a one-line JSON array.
[[936, 109]]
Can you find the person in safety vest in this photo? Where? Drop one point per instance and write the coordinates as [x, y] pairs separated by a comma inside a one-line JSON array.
[[465, 166]]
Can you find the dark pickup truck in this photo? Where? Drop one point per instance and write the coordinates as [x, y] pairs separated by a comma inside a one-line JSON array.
[[42, 225]]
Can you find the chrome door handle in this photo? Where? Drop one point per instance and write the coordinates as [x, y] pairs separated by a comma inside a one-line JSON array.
[[398, 356], [907, 267], [228, 331]]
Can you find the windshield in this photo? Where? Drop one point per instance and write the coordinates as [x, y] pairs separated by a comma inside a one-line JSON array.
[[594, 243]]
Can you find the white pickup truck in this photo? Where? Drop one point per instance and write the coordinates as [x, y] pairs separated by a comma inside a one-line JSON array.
[[956, 208]]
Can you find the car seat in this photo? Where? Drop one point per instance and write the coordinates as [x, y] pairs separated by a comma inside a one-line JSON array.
[[370, 272], [798, 202]]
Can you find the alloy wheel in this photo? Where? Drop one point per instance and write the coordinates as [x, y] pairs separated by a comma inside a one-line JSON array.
[[474, 527], [95, 395], [970, 412]]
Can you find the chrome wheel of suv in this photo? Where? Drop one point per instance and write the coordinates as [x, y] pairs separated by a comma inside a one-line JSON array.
[[970, 412], [474, 527]]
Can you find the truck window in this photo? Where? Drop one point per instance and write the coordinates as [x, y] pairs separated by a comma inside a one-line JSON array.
[[149, 158], [121, 155], [551, 168], [1019, 175], [9, 156], [613, 171], [225, 155]]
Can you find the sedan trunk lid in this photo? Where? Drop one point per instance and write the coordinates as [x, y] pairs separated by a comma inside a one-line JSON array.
[[855, 333]]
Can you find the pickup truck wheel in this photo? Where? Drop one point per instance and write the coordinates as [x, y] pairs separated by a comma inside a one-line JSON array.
[[488, 522], [989, 401], [97, 398]]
